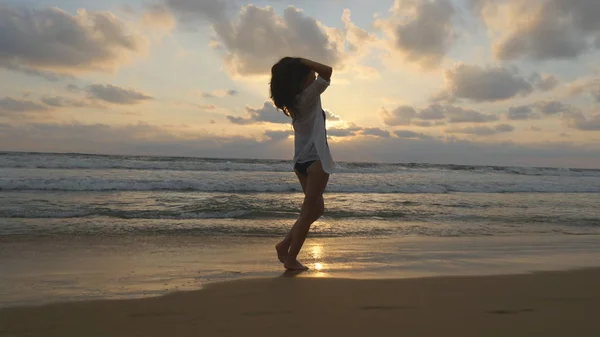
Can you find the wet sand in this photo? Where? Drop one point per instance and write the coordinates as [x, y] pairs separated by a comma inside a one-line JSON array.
[[565, 303], [49, 270]]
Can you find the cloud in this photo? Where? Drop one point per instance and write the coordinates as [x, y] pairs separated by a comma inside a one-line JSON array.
[[145, 139], [259, 37], [158, 17], [377, 132], [523, 112], [253, 39], [356, 38], [10, 106], [577, 120], [66, 102], [48, 41], [219, 93], [48, 75], [543, 30], [204, 10], [117, 95], [407, 115], [207, 106], [481, 84], [461, 115], [402, 115], [545, 82], [341, 132], [433, 112], [483, 130], [550, 108], [72, 88], [278, 135], [537, 110], [331, 117], [407, 134], [421, 30], [590, 86], [268, 113], [427, 124]]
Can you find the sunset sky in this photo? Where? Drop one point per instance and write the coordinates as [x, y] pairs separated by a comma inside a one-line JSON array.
[[500, 82]]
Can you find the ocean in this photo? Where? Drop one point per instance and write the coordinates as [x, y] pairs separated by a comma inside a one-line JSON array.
[[202, 219]]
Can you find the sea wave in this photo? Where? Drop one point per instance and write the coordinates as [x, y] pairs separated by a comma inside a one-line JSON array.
[[98, 162], [286, 186]]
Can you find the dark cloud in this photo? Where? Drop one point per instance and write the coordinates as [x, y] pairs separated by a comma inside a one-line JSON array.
[[483, 130], [73, 88], [556, 29], [340, 132], [10, 106], [544, 82], [147, 139], [577, 120], [423, 30], [549, 108], [523, 112], [376, 132], [117, 95], [537, 110], [43, 41], [407, 134], [484, 84], [407, 115], [268, 113], [433, 112], [402, 115], [66, 102], [461, 115]]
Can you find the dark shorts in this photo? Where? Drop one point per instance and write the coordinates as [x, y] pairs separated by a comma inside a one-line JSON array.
[[302, 168]]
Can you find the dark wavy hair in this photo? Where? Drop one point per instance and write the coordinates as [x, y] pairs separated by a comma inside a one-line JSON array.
[[287, 78]]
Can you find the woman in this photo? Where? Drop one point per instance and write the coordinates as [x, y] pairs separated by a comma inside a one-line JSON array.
[[296, 91]]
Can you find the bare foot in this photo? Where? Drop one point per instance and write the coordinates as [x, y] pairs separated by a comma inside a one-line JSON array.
[[294, 265], [282, 252]]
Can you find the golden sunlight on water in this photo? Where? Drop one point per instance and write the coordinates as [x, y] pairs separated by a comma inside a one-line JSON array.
[[317, 252]]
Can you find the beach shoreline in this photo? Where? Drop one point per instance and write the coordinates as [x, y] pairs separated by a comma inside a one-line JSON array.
[[49, 270], [558, 303]]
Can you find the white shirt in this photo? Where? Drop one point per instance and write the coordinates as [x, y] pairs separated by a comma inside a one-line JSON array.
[[310, 135]]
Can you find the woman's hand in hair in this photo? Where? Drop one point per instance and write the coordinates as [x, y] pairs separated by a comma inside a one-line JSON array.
[[323, 70]]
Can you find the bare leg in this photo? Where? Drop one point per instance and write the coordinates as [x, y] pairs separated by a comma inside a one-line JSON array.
[[312, 209], [283, 246]]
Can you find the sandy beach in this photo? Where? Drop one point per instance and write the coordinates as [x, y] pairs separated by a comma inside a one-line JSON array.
[[545, 304]]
